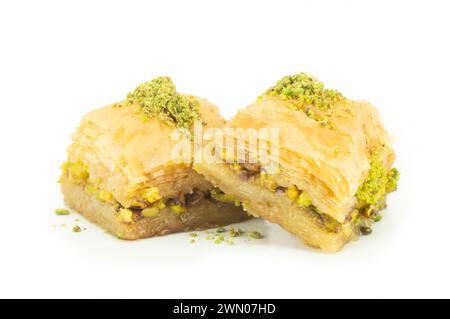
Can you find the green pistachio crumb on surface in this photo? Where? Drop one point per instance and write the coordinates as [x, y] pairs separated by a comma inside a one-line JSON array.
[[225, 235], [61, 211], [235, 233], [219, 239], [255, 235], [159, 98], [76, 229]]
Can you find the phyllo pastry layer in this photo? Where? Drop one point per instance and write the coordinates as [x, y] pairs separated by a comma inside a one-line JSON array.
[[324, 177], [123, 174]]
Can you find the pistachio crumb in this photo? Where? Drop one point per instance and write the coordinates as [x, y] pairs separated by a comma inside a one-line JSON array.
[[377, 218], [235, 233], [336, 151], [255, 235], [304, 200], [365, 230], [61, 212], [76, 229], [125, 215], [178, 209], [225, 235], [292, 192], [151, 194], [150, 211]]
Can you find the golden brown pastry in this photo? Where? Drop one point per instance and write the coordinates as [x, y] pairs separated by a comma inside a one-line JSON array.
[[122, 173], [323, 176]]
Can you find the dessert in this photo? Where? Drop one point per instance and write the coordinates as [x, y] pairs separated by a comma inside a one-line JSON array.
[[122, 173], [324, 176]]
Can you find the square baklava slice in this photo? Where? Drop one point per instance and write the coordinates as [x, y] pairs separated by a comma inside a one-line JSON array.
[[324, 176], [123, 174]]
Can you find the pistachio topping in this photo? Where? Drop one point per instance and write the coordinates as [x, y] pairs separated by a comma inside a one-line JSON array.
[[309, 95], [306, 90], [378, 183], [393, 177], [159, 98]]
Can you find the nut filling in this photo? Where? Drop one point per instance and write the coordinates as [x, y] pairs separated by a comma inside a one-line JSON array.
[[150, 204], [359, 220], [178, 205]]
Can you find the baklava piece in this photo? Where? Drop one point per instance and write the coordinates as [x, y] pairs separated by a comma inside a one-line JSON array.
[[123, 175], [324, 178]]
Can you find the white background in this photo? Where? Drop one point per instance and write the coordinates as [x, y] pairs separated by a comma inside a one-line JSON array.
[[61, 59]]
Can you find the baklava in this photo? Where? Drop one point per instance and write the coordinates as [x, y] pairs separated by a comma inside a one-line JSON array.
[[123, 174], [325, 174]]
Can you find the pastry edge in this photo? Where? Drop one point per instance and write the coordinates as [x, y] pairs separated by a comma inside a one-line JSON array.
[[315, 237], [202, 215]]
